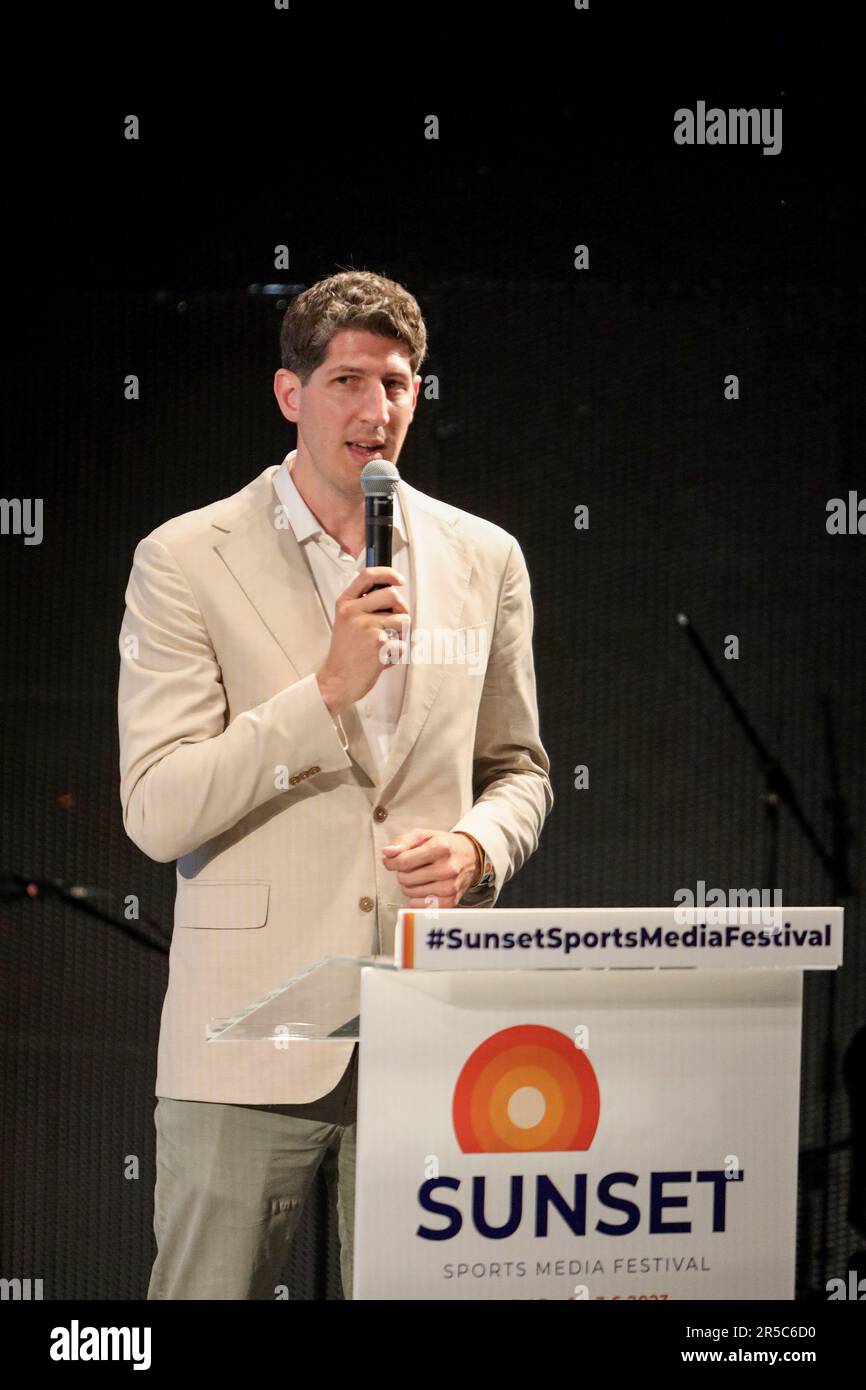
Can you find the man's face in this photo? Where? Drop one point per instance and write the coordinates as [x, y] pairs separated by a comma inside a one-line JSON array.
[[363, 393]]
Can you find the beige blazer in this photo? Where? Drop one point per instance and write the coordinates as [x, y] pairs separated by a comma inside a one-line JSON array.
[[231, 764]]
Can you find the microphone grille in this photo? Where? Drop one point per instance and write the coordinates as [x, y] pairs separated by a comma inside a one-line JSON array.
[[379, 478]]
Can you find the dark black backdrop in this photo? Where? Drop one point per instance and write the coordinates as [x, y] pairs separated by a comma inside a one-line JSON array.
[[556, 387]]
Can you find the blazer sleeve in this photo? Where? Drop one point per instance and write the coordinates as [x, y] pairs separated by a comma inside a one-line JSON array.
[[511, 786], [185, 775]]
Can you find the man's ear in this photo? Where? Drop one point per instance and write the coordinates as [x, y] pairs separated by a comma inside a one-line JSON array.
[[287, 389], [417, 385]]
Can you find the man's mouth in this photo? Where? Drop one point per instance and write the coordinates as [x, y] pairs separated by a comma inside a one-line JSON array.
[[364, 452]]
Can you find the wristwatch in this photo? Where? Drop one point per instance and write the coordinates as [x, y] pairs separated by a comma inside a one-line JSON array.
[[488, 873], [488, 878]]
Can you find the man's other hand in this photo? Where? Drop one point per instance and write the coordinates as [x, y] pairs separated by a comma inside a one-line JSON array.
[[432, 863]]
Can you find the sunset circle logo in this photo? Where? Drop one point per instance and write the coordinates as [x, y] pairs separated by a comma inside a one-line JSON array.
[[526, 1089]]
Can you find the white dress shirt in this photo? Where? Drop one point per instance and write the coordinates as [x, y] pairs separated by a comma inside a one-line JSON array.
[[333, 569]]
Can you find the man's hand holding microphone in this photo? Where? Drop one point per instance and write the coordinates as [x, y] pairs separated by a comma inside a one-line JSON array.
[[361, 643]]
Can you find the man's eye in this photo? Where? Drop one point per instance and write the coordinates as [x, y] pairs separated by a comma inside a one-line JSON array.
[[395, 382]]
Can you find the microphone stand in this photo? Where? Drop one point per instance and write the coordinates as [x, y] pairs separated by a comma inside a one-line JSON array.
[[778, 789]]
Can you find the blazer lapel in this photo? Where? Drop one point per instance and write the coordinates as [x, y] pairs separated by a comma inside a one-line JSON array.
[[441, 566], [271, 569]]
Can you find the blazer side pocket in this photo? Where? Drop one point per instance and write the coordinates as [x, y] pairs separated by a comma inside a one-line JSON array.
[[236, 905]]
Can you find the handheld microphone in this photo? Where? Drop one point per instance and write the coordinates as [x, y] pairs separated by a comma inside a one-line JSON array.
[[379, 478]]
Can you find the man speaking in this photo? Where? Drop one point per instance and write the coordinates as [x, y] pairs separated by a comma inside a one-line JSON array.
[[279, 739]]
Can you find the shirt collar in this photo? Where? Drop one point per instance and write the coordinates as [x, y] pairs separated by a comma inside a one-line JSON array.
[[303, 522]]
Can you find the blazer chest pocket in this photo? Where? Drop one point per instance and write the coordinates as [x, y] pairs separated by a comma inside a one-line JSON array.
[[234, 905]]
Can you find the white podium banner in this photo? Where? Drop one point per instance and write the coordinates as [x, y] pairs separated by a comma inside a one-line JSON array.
[[591, 1134]]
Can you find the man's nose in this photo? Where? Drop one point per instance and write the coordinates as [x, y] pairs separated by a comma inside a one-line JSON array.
[[375, 406]]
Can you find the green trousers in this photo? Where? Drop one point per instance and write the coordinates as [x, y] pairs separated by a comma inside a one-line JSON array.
[[231, 1182]]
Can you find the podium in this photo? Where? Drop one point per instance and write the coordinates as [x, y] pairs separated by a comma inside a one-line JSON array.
[[571, 1103]]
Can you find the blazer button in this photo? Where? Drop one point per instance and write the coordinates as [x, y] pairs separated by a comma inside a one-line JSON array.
[[314, 770], [366, 904], [380, 813]]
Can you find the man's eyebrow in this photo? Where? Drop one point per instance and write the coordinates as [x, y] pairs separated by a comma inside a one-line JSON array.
[[392, 371]]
